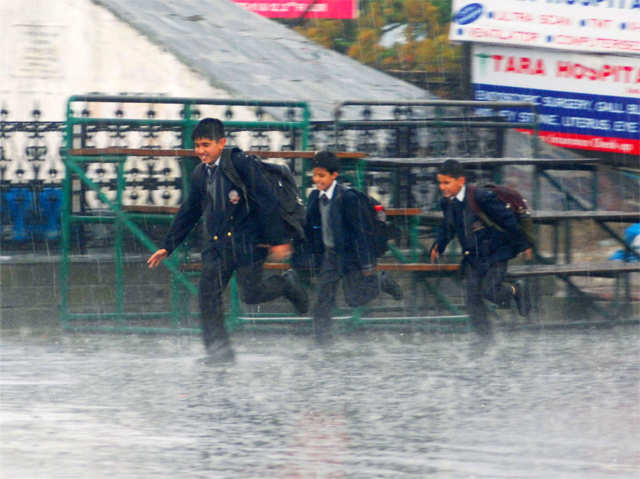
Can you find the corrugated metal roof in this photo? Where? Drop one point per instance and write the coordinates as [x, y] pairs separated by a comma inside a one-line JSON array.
[[253, 57]]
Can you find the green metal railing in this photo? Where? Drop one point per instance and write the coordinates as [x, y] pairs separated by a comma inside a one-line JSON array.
[[438, 122], [181, 283], [119, 319]]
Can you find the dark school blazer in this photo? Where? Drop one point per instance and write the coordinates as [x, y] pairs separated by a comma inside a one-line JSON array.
[[230, 224], [351, 243], [480, 243]]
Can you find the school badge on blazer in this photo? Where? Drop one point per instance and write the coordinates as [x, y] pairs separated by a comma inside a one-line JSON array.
[[234, 197]]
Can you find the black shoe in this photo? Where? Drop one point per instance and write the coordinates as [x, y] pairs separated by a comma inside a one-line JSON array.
[[220, 351], [523, 300], [295, 292], [390, 286]]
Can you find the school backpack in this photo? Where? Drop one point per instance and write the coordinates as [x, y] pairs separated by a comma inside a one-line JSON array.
[[283, 184], [512, 200], [375, 222]]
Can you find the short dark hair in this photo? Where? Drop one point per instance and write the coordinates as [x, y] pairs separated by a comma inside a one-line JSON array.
[[326, 159], [452, 168], [210, 128]]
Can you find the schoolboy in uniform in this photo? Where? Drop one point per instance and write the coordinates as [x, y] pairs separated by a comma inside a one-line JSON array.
[[239, 237], [486, 250], [339, 246]]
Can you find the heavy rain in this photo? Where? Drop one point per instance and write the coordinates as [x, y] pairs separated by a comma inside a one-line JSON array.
[[110, 365]]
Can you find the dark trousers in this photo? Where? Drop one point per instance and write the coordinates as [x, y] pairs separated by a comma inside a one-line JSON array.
[[489, 285], [358, 290], [218, 268]]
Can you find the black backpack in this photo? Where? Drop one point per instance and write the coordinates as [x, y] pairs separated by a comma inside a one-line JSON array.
[[375, 223], [515, 202], [283, 184]]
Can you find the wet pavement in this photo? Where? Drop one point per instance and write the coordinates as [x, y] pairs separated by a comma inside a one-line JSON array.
[[526, 404]]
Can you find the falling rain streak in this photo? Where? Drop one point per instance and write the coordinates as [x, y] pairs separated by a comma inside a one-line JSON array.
[[558, 403]]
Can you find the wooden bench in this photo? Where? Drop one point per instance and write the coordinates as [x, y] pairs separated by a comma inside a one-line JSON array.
[[151, 209], [620, 300], [545, 216], [557, 218], [553, 216], [609, 269], [613, 269], [346, 155], [402, 267], [604, 269], [185, 153], [403, 211], [564, 272], [560, 163], [601, 217]]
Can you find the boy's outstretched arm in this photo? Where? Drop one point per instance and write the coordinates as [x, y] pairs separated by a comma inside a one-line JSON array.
[[156, 258]]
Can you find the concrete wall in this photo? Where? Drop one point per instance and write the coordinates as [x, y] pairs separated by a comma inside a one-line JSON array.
[[30, 292], [50, 50]]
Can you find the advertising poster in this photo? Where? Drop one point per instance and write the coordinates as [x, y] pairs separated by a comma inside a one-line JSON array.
[[337, 9], [584, 101], [599, 26]]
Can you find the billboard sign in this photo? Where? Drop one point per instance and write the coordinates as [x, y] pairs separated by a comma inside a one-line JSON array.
[[603, 26], [338, 9], [589, 102]]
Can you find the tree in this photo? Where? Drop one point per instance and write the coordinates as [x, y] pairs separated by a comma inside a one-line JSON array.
[[426, 47]]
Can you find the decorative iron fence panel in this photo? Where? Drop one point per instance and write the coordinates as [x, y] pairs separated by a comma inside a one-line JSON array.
[[414, 129], [32, 169], [31, 174]]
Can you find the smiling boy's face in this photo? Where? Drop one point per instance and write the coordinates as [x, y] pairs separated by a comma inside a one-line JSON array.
[[322, 178], [449, 185], [209, 150]]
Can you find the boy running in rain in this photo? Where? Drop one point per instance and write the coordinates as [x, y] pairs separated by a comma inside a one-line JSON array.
[[239, 236]]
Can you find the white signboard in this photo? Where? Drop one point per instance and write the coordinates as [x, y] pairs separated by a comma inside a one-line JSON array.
[[584, 101], [605, 26]]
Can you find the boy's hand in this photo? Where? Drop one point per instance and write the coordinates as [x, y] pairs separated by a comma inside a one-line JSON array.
[[280, 252], [434, 254], [368, 270], [528, 254], [157, 257]]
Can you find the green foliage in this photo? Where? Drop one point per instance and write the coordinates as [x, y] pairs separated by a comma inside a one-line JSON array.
[[426, 48]]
